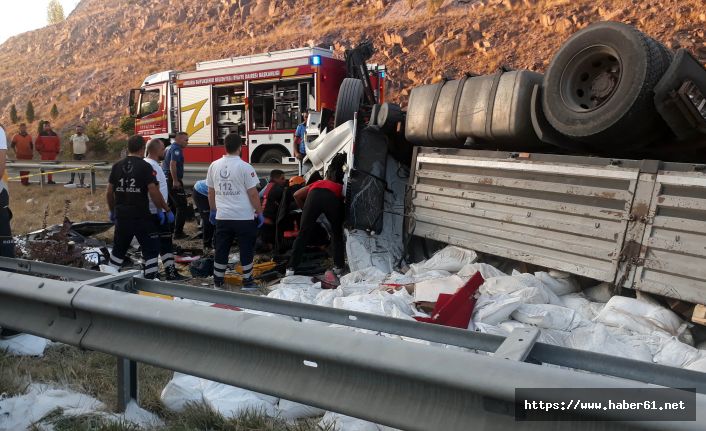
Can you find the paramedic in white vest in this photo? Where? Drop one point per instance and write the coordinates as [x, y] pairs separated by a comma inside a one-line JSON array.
[[155, 154], [235, 210]]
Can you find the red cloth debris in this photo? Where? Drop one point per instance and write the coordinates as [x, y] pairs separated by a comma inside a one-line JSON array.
[[455, 310]]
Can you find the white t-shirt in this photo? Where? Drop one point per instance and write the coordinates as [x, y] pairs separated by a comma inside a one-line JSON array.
[[231, 178], [79, 143], [161, 179]]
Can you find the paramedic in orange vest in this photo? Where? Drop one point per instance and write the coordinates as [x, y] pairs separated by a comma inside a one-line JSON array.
[[24, 150], [48, 145]]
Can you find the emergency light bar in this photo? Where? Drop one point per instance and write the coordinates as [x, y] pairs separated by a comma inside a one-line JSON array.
[[315, 60]]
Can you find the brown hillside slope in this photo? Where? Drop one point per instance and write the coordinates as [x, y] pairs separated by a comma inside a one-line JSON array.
[[106, 47]]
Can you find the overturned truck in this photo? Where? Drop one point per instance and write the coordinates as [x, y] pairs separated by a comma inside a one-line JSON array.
[[595, 167]]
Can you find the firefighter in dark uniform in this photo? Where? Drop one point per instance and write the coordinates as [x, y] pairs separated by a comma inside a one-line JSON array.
[[131, 185]]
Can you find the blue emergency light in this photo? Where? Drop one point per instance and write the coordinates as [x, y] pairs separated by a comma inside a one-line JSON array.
[[382, 74], [315, 60]]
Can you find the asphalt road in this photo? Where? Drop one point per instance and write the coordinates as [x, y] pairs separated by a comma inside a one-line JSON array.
[[193, 171]]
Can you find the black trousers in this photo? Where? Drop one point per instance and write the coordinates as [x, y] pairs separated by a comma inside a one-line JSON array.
[[81, 175], [245, 231], [177, 202], [166, 246], [318, 202], [145, 230], [202, 206], [7, 243]]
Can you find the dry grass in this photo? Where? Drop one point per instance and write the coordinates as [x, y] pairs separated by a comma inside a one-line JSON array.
[[94, 373], [28, 205]]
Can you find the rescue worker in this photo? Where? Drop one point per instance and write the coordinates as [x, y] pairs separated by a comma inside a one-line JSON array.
[[299, 134], [131, 185], [7, 245], [235, 204], [200, 197], [79, 145], [155, 154], [271, 198], [24, 150], [173, 166], [48, 145], [321, 197]]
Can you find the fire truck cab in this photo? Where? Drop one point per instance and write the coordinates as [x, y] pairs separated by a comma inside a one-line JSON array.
[[259, 96]]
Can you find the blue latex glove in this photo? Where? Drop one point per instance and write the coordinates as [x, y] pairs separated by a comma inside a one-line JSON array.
[[212, 217], [161, 217], [111, 217], [260, 220], [170, 217]]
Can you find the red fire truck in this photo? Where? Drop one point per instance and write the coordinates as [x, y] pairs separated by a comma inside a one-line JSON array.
[[259, 96]]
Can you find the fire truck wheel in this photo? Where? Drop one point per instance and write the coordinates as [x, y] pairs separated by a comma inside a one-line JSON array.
[[350, 97], [272, 156], [599, 86]]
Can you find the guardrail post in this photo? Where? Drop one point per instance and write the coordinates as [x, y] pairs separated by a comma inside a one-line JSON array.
[[93, 180], [127, 382], [41, 177]]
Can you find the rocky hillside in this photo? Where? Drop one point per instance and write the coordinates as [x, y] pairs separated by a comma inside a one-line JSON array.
[[88, 63]]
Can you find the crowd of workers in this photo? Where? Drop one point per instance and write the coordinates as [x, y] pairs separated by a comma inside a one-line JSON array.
[[147, 201]]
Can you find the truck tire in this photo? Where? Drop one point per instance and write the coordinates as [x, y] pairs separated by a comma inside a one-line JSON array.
[[388, 116], [599, 87], [272, 156], [350, 97]]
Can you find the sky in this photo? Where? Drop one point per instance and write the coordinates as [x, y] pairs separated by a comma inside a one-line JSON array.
[[18, 16]]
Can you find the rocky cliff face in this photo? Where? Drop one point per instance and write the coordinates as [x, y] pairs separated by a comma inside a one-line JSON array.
[[89, 62]]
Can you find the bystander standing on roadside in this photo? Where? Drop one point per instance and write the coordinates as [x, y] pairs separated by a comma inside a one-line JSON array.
[[79, 145], [235, 206], [200, 197], [131, 185], [48, 145], [24, 150], [173, 166]]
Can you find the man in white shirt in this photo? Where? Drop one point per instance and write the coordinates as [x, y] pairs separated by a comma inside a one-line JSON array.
[[235, 206], [79, 146], [164, 221]]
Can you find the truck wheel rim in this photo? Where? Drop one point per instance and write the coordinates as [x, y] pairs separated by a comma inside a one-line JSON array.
[[591, 78]]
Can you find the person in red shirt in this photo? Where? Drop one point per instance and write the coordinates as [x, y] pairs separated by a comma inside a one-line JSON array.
[[321, 197], [48, 145], [24, 150]]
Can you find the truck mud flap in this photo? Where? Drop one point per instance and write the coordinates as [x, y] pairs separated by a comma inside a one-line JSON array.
[[365, 189]]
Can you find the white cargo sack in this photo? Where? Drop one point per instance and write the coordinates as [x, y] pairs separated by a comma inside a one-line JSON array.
[[529, 289], [599, 293], [291, 410], [548, 316], [676, 354], [450, 259], [596, 338], [24, 345], [429, 290], [486, 271], [577, 302], [494, 309], [558, 282], [232, 402], [639, 316], [369, 275], [339, 422]]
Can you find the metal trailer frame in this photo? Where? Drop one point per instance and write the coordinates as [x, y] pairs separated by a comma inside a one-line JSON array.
[[398, 383], [636, 224]]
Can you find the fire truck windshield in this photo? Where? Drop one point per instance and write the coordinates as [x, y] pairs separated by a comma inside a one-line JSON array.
[[149, 103]]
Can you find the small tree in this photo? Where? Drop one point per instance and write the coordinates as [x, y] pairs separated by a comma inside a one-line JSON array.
[[55, 12], [98, 135], [54, 112], [29, 112], [13, 114], [127, 125]]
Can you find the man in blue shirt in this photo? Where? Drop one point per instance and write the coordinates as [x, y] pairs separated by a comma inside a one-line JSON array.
[[173, 167], [299, 143], [200, 197]]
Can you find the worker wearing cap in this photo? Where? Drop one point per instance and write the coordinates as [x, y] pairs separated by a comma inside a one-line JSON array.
[[24, 150], [235, 206], [323, 197], [173, 166], [155, 153], [131, 185], [200, 197]]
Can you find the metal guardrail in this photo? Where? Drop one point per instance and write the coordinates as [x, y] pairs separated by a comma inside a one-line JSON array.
[[393, 382]]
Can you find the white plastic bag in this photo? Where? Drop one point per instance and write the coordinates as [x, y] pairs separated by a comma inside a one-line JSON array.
[[451, 259], [486, 271], [548, 316], [378, 302], [231, 402], [639, 316], [525, 286], [183, 389], [341, 422], [577, 302], [557, 282], [596, 338], [494, 309], [326, 296], [24, 345], [676, 354], [369, 275]]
